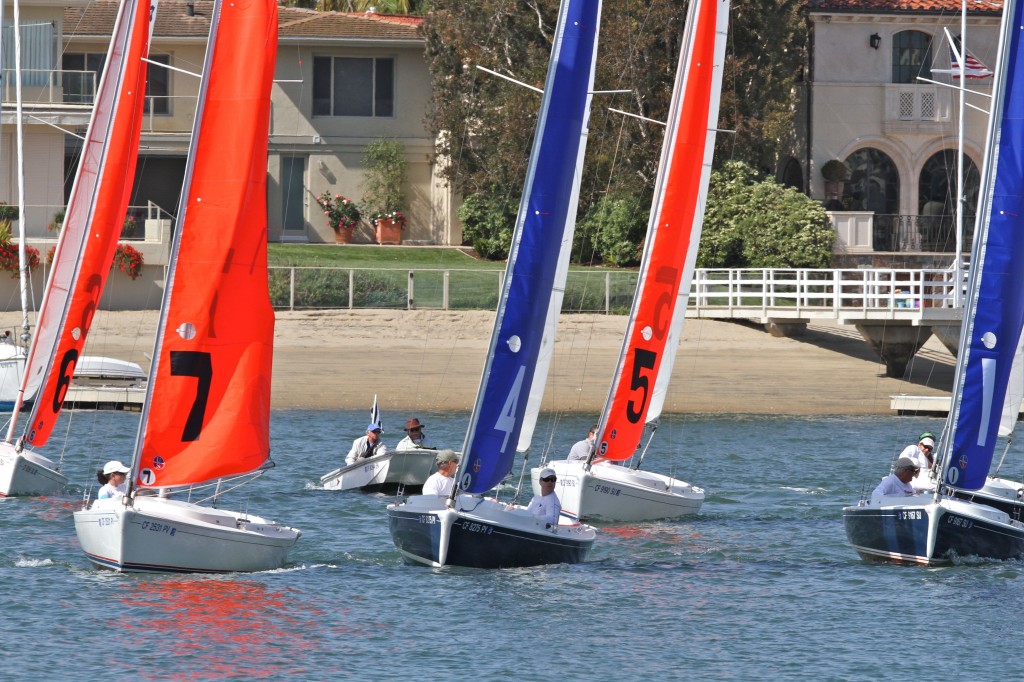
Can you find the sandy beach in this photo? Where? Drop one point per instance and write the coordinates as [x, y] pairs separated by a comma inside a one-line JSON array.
[[431, 361]]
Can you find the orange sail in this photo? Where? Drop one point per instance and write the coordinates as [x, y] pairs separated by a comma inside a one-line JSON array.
[[92, 223], [207, 412], [673, 232]]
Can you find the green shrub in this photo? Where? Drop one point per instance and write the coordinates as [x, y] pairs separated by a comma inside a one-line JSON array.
[[617, 227], [487, 224]]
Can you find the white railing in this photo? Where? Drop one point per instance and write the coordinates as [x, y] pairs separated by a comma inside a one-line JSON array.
[[764, 292]]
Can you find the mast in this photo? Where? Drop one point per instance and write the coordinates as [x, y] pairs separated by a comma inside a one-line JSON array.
[[20, 139], [958, 261]]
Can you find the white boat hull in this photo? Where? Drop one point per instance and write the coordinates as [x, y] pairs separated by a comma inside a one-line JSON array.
[[164, 535], [12, 368], [482, 533], [400, 467], [612, 493], [27, 473]]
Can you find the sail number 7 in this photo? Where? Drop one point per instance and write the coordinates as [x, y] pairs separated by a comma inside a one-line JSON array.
[[190, 363]]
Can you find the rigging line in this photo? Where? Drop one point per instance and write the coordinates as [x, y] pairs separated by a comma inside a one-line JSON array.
[[171, 68]]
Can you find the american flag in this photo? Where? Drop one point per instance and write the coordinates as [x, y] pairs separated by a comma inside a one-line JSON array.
[[972, 67]]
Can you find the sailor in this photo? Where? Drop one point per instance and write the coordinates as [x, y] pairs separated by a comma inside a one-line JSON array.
[[114, 477], [441, 481], [921, 454], [582, 449], [546, 507], [898, 482], [367, 446], [414, 438]]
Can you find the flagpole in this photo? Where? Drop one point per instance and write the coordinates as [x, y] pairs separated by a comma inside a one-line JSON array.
[[958, 265]]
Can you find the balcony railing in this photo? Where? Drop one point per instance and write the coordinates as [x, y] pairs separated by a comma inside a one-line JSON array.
[[919, 233]]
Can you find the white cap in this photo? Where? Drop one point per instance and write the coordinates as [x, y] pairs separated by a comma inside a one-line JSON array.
[[546, 473], [114, 467]]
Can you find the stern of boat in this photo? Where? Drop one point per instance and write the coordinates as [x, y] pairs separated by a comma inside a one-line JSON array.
[[27, 473]]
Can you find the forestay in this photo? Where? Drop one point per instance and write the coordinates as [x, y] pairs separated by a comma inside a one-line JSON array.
[[92, 224], [670, 251], [207, 409], [995, 310], [537, 247]]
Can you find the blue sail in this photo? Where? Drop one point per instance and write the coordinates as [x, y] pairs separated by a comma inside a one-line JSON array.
[[995, 314], [497, 419]]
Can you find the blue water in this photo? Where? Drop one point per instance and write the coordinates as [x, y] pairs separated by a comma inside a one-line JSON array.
[[761, 585]]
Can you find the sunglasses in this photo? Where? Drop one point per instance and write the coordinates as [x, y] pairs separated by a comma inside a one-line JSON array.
[[549, 479]]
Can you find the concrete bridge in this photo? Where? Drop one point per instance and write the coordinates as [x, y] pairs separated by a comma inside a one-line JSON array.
[[895, 310]]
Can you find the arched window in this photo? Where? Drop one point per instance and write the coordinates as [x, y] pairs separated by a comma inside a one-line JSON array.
[[911, 56], [937, 201], [793, 175], [874, 183]]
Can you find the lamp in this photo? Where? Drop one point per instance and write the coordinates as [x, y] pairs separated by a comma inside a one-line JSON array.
[[875, 40]]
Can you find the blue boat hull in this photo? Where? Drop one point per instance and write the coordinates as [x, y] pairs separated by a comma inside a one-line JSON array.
[[477, 542], [901, 533]]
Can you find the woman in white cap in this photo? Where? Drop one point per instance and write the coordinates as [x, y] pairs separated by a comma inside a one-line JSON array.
[[546, 507], [114, 477]]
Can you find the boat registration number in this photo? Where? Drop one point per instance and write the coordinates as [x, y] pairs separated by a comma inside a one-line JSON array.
[[607, 490], [478, 528], [959, 522], [155, 527], [912, 515], [30, 469]]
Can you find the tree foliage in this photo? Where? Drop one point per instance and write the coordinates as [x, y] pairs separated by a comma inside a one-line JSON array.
[[616, 228], [761, 224], [485, 125], [487, 223]]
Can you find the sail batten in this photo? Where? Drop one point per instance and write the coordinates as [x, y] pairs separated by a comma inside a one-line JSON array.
[[655, 324], [96, 210], [511, 373], [206, 414]]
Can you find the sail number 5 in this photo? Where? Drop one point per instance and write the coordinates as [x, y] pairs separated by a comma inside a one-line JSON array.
[[643, 359]]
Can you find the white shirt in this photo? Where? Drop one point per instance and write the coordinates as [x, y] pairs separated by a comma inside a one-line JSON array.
[[438, 484], [916, 454], [408, 443], [360, 447], [581, 450], [891, 485], [112, 492], [546, 508]]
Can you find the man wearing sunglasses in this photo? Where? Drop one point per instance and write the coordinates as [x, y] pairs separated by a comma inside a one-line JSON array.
[[922, 456], [414, 439], [546, 507]]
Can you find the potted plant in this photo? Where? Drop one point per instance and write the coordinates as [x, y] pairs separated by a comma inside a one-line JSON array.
[[384, 179], [835, 173], [342, 215]]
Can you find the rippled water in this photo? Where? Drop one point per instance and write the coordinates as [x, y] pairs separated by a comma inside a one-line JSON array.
[[760, 585]]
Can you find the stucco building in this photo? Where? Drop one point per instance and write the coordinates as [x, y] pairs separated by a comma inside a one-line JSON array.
[[342, 81], [867, 106]]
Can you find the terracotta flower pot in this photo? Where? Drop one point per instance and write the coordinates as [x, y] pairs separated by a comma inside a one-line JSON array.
[[389, 231], [343, 235]]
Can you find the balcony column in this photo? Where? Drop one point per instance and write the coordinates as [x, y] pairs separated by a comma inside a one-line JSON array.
[[896, 344]]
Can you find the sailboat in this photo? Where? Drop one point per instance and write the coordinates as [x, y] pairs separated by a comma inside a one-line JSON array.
[[96, 208], [206, 416], [603, 491], [468, 529], [954, 520]]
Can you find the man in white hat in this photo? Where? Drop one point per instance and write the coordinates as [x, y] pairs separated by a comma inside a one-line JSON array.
[[898, 482], [546, 507]]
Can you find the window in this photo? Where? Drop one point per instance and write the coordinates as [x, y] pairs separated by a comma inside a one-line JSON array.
[[81, 77], [911, 56], [37, 50], [353, 86]]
